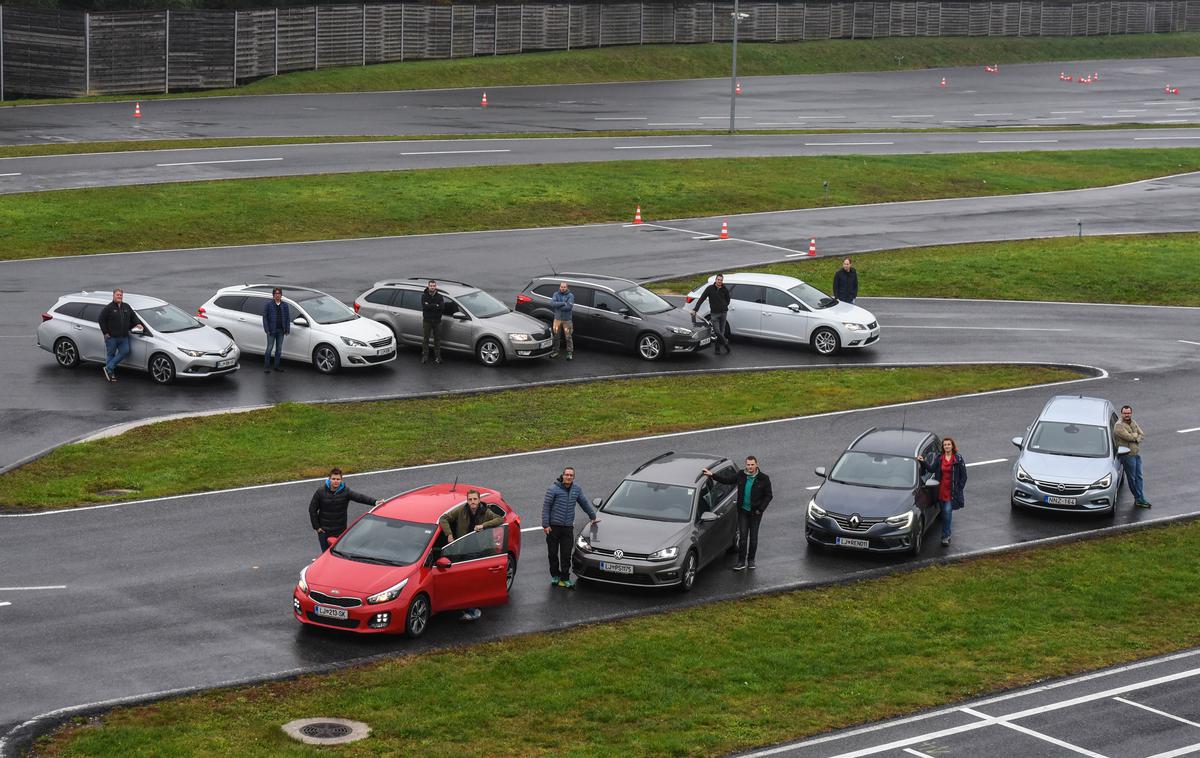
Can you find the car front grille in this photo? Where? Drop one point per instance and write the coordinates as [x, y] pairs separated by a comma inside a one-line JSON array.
[[863, 525], [343, 623], [632, 556], [379, 358], [340, 602], [382, 343], [1058, 488]]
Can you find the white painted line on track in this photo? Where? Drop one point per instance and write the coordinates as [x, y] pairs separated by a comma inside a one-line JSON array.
[[1162, 138], [16, 174], [991, 114], [1038, 735], [1012, 141], [1064, 112], [1189, 431], [984, 328], [1188, 750], [1049, 118], [1172, 121], [917, 753], [968, 121], [17, 337], [985, 463], [678, 123], [4, 604], [1155, 710], [844, 144], [621, 118], [779, 123], [1116, 116], [458, 152], [1188, 342], [914, 115], [206, 163], [656, 147], [22, 589], [720, 118], [1131, 110], [820, 118], [531, 529]]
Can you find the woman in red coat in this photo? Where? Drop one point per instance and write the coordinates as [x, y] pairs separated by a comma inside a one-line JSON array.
[[951, 472]]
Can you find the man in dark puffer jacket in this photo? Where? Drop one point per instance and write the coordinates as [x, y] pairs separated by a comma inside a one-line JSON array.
[[327, 509]]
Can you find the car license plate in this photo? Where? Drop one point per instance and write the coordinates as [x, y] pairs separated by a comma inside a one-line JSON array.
[[616, 568], [333, 613], [383, 351], [851, 542], [226, 364], [705, 341], [1052, 500], [545, 343]]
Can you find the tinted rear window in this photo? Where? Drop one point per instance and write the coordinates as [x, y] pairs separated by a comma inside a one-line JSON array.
[[70, 309], [750, 293], [381, 296], [230, 302], [546, 290], [410, 299], [91, 312], [254, 305]]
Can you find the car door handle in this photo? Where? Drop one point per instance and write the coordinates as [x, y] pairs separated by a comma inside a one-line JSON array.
[[496, 569]]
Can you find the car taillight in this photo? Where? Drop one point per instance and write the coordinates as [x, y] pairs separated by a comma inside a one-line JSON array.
[[688, 299], [200, 313], [522, 299], [46, 317], [356, 306]]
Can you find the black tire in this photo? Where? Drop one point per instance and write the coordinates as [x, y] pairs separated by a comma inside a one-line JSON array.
[[918, 539], [512, 572], [325, 359], [650, 346], [161, 368], [489, 352], [66, 352], [416, 617], [687, 575], [824, 341]]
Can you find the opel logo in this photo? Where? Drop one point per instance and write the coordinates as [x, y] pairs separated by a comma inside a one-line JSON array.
[[1062, 487], [618, 554], [855, 520]]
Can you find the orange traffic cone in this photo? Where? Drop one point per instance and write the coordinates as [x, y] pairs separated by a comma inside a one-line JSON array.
[[943, 84], [724, 230], [483, 104], [738, 89], [637, 215], [137, 110], [812, 247]]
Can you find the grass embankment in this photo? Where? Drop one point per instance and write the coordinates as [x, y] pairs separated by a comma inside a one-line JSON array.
[[197, 214], [1147, 269], [662, 62], [725, 677], [197, 454]]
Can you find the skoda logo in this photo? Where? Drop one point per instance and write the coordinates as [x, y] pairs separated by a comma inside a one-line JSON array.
[[855, 520], [618, 554]]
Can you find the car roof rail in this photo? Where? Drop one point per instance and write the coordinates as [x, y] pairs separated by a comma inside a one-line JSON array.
[[655, 459], [864, 434], [435, 279], [598, 276]]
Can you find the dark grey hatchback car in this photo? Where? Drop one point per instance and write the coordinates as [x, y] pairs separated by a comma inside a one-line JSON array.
[[618, 313], [661, 525], [877, 498]]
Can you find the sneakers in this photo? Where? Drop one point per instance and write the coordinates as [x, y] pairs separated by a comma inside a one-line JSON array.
[[1141, 504], [107, 376], [424, 359], [566, 584], [553, 353], [437, 358], [554, 580], [279, 369], [751, 565], [570, 355], [945, 541], [740, 567], [471, 615]]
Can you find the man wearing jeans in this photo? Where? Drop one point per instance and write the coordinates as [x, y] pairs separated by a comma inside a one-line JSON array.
[[116, 321], [753, 496], [277, 322], [563, 303], [1129, 434], [558, 522], [717, 295]]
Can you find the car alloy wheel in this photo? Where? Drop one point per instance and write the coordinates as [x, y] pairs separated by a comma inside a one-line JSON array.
[[66, 353], [489, 352], [416, 621], [512, 572], [162, 369], [326, 359], [650, 346], [687, 577], [825, 341]]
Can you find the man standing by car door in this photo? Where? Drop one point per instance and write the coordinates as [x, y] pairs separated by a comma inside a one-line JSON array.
[[563, 303], [753, 497], [1129, 434], [461, 520], [116, 321], [717, 296], [433, 305], [845, 283], [327, 509], [277, 322], [558, 522]]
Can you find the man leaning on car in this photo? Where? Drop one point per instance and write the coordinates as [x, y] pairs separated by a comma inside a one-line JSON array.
[[753, 497], [471, 516], [116, 321]]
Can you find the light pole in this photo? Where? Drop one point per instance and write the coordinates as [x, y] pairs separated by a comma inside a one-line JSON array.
[[737, 17]]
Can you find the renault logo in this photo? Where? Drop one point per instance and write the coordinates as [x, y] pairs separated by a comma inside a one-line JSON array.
[[855, 520], [618, 554]]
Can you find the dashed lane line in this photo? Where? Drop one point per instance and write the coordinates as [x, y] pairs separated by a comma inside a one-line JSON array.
[[1012, 141], [621, 118], [1165, 138], [458, 152], [4, 604], [16, 174], [1188, 342], [656, 147], [1188, 431], [984, 328], [23, 589], [206, 163], [844, 144]]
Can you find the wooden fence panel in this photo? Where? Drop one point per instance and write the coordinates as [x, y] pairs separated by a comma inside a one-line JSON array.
[[45, 53]]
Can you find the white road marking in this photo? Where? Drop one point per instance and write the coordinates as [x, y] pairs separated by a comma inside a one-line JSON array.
[[985, 463], [4, 604], [983, 328], [1131, 110], [914, 115], [678, 123], [779, 123], [810, 489], [17, 337], [1062, 112], [1116, 116], [1159, 138], [822, 118], [22, 589], [991, 114], [1171, 121], [917, 753], [205, 163], [458, 152], [1189, 750], [1188, 342], [1049, 118], [844, 144], [1155, 710], [620, 118], [1012, 141], [951, 121], [16, 174], [720, 118], [1189, 431], [531, 529], [1039, 735], [655, 147]]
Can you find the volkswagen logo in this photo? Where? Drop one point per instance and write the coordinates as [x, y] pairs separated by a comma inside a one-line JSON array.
[[855, 520], [618, 554]]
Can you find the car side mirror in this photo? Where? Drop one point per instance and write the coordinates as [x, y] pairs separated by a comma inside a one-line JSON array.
[[1018, 441], [331, 540], [137, 329], [598, 502], [1122, 450], [625, 312], [300, 321], [442, 563], [820, 471], [459, 315], [794, 308], [707, 517]]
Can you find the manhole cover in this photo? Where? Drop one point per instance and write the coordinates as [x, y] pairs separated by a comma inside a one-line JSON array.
[[326, 731]]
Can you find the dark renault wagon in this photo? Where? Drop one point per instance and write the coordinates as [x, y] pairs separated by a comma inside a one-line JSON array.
[[618, 313]]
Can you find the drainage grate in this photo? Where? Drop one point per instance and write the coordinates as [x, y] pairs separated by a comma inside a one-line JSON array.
[[325, 730]]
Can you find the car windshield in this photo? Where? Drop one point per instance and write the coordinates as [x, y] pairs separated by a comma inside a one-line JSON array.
[[167, 318], [643, 300], [326, 310], [812, 297], [374, 539], [875, 470], [482, 305], [648, 500], [1080, 440]]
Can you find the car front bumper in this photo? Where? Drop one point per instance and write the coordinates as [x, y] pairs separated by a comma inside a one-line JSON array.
[[529, 350], [859, 339], [694, 343], [640, 572], [879, 538], [385, 618], [358, 357], [1031, 496]]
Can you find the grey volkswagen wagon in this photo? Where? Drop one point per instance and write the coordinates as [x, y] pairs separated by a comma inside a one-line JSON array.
[[661, 525]]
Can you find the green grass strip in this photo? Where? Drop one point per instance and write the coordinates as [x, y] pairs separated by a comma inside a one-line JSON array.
[[724, 677], [1152, 269], [662, 62], [213, 452], [200, 214]]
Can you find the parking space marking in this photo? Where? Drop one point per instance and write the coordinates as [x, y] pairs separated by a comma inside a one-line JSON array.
[[1188, 431], [655, 147], [984, 463], [457, 152], [205, 163], [1188, 342], [23, 589], [917, 753], [1038, 735], [16, 174], [621, 118], [816, 487], [4, 604], [1155, 710], [1189, 750]]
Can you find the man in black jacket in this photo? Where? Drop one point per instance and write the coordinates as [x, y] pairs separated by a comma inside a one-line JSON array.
[[327, 509], [432, 307], [845, 283], [116, 321], [717, 295], [753, 497]]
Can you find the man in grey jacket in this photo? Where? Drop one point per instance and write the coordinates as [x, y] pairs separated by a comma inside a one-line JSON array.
[[1129, 434], [558, 522]]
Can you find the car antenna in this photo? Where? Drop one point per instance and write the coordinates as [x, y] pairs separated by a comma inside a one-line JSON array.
[[552, 271], [454, 487], [903, 419]]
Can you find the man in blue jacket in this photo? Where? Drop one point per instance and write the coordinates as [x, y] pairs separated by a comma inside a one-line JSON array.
[[563, 303], [558, 522], [277, 322]]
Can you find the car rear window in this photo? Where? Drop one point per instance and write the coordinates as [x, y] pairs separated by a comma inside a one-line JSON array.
[[230, 302], [91, 312], [546, 290], [381, 296], [253, 304], [410, 300], [74, 310]]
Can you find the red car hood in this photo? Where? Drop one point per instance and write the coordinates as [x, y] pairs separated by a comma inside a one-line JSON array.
[[329, 572]]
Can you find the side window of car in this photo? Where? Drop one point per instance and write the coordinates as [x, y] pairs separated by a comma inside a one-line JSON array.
[[450, 306], [476, 545], [254, 305], [74, 310], [707, 501], [748, 293], [545, 290], [91, 312], [583, 296], [382, 296], [778, 298], [230, 302], [606, 301], [930, 453], [409, 300]]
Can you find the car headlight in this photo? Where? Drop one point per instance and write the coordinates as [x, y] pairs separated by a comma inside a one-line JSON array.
[[303, 583], [1102, 482], [815, 511], [583, 544], [520, 337], [353, 342], [388, 595], [191, 353], [1022, 476], [666, 554], [903, 521], [680, 330], [854, 327]]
